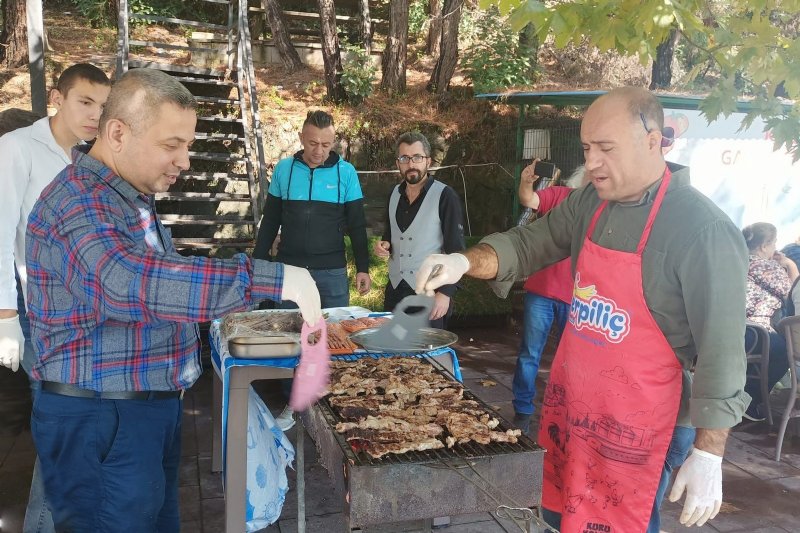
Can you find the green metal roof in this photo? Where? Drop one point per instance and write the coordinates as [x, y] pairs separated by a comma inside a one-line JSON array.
[[584, 98]]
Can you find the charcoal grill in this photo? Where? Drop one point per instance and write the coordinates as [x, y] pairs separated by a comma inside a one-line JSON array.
[[418, 485]]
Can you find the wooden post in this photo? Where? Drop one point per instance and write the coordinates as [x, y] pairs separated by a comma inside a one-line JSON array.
[[123, 46], [520, 147], [36, 56]]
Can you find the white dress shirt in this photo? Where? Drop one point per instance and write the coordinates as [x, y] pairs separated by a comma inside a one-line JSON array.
[[30, 158]]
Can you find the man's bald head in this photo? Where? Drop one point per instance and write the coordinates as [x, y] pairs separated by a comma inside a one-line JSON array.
[[621, 138], [138, 95], [642, 106]]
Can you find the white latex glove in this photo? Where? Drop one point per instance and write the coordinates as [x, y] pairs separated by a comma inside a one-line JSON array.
[[701, 477], [300, 288], [12, 342], [454, 266]]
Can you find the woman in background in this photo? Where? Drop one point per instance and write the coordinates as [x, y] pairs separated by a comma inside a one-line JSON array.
[[769, 280]]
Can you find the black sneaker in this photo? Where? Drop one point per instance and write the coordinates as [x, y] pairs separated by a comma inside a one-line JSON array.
[[754, 413], [523, 423]]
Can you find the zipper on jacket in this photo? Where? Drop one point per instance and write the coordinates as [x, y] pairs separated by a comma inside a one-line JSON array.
[[308, 213]]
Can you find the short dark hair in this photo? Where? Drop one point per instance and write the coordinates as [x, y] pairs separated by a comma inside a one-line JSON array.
[[80, 71], [758, 234], [137, 96], [411, 137], [319, 119]]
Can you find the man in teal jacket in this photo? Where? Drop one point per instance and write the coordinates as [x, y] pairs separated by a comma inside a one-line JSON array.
[[314, 199]]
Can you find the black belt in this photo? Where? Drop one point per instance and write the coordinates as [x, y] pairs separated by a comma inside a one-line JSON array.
[[65, 389]]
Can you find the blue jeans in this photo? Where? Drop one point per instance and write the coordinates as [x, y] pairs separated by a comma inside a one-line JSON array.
[[109, 465], [679, 447], [540, 313], [37, 515]]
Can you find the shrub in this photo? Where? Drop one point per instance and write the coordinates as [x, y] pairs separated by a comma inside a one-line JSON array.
[[358, 71], [492, 57], [417, 19], [100, 12]]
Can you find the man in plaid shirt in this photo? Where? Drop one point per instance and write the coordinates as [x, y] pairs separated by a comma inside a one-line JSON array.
[[113, 310]]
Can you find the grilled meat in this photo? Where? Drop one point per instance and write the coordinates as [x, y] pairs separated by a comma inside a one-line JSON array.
[[401, 404]]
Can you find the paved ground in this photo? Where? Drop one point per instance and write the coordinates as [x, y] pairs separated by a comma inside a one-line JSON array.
[[761, 495]]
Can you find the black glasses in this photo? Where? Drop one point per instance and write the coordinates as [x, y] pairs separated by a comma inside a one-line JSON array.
[[644, 122], [667, 134], [416, 158]]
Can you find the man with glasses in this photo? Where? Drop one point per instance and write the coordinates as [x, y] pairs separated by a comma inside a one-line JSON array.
[[651, 363], [424, 217]]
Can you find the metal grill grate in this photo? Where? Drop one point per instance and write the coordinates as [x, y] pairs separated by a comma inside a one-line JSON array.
[[460, 452]]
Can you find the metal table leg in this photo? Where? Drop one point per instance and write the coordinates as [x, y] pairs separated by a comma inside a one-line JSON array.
[[236, 455], [216, 426], [301, 476], [241, 377]]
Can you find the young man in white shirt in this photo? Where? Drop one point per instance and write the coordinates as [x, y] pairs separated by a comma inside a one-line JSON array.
[[32, 157]]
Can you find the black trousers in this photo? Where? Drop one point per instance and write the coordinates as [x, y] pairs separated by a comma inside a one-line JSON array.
[[392, 296]]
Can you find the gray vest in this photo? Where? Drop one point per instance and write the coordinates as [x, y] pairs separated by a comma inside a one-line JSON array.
[[422, 238]]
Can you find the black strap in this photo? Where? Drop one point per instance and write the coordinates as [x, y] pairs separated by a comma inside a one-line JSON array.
[[66, 389]]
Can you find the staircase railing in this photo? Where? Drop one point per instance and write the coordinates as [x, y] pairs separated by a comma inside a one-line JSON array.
[[249, 107], [237, 71]]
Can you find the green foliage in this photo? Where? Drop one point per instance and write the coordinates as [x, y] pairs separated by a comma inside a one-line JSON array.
[[494, 59], [358, 72], [417, 18], [96, 12], [163, 8], [99, 12], [753, 46]]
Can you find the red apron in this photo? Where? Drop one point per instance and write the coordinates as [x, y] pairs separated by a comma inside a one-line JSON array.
[[612, 400]]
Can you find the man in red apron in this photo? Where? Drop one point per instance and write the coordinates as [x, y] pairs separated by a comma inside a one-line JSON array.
[[659, 279]]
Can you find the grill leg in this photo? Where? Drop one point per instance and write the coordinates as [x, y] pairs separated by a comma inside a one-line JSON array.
[[301, 477], [216, 425]]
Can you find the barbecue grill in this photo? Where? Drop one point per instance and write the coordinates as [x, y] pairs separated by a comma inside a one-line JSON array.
[[467, 478]]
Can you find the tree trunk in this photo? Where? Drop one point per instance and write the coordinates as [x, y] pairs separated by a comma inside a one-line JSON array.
[[365, 25], [434, 28], [393, 77], [662, 65], [529, 47], [280, 36], [448, 58], [14, 37], [331, 54]]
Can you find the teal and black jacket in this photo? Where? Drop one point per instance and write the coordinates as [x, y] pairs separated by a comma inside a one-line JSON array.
[[314, 209]]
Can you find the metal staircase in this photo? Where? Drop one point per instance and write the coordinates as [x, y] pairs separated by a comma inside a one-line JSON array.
[[214, 207]]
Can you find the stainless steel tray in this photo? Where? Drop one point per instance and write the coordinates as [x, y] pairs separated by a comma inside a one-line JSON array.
[[431, 339], [263, 347]]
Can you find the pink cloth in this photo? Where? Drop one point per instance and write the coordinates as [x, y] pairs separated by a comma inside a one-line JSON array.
[[313, 373], [554, 281]]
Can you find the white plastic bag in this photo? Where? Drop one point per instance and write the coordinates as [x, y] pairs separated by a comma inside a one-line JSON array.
[[269, 452]]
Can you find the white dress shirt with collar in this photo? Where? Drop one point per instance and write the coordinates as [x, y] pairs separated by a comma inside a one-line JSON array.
[[30, 158]]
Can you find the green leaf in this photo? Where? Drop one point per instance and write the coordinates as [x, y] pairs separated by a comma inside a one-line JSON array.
[[531, 11]]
